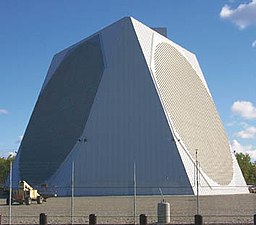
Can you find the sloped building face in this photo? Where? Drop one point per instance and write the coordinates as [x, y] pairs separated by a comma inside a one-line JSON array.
[[127, 102]]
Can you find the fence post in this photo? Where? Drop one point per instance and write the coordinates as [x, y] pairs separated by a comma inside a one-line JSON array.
[[198, 220], [254, 219], [43, 219], [143, 219], [92, 219]]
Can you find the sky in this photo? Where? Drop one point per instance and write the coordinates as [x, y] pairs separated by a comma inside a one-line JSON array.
[[222, 34]]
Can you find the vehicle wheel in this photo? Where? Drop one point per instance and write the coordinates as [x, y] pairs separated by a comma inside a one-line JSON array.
[[39, 200], [28, 201]]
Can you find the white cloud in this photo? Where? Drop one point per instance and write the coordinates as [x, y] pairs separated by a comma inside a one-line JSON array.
[[11, 154], [247, 149], [245, 109], [231, 124], [242, 16], [3, 111], [254, 44], [244, 125], [5, 154], [249, 132]]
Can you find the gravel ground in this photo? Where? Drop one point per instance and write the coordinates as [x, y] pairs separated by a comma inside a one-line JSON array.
[[228, 209]]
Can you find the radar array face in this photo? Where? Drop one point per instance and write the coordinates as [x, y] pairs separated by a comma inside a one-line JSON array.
[[192, 112]]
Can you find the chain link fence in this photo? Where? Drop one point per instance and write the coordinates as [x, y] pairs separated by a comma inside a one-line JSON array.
[[215, 209]]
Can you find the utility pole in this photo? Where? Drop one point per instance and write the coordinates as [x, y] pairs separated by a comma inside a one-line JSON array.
[[197, 183], [72, 191], [10, 195], [134, 191]]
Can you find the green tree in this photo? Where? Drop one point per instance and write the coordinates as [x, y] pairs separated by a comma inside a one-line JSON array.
[[5, 167], [247, 167]]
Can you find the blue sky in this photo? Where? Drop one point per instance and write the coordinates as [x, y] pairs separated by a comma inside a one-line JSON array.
[[222, 33]]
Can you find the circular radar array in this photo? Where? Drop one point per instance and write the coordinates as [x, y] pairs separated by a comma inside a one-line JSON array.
[[192, 112]]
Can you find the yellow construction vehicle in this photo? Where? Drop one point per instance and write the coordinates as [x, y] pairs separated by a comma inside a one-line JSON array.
[[25, 194]]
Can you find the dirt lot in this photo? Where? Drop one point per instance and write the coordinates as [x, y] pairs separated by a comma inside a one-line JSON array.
[[214, 209]]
